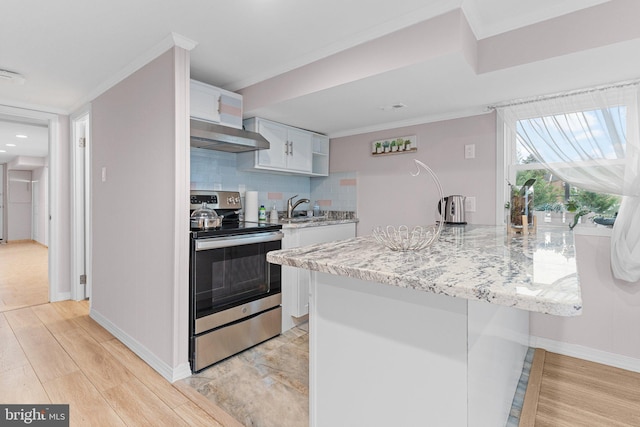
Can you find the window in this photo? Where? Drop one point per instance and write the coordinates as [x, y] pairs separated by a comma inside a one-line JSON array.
[[575, 151]]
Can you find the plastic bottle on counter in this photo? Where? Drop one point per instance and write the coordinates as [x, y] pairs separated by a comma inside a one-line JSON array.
[[273, 216], [262, 213], [316, 209]]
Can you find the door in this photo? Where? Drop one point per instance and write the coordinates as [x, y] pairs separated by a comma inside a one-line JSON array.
[[300, 144]]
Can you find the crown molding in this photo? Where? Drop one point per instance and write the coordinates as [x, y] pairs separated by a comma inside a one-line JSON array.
[[173, 39], [410, 122], [23, 109]]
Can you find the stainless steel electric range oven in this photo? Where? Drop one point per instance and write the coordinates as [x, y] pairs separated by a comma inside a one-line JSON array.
[[235, 293]]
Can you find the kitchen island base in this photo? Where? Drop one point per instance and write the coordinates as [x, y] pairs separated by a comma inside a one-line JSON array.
[[385, 355]]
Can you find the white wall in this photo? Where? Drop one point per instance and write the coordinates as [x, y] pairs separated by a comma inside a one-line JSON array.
[[133, 213], [388, 194], [19, 205]]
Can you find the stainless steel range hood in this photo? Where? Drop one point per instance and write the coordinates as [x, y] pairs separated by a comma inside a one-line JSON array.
[[223, 138]]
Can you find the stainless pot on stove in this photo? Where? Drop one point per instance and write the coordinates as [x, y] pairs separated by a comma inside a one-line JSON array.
[[205, 218]]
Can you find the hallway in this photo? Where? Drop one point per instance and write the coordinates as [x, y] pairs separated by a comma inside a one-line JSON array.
[[23, 275], [55, 353]]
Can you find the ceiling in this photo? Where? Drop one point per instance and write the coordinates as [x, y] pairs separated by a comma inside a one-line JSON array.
[[69, 50]]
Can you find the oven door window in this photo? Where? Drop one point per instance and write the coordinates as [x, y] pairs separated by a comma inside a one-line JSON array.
[[228, 276]]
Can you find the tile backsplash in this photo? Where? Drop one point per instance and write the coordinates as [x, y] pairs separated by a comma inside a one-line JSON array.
[[337, 192], [217, 170]]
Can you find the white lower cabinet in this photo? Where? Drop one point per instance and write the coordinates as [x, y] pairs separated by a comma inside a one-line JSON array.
[[295, 281]]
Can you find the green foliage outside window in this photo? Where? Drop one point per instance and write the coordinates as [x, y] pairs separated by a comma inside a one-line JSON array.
[[549, 195]]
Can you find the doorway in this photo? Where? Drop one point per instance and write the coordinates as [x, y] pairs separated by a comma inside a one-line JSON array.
[[24, 253], [49, 188]]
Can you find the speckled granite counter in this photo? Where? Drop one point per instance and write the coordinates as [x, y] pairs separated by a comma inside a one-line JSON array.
[[534, 273], [315, 222]]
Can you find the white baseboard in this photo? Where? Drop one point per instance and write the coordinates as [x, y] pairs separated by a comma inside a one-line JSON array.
[[586, 353], [170, 374], [60, 296]]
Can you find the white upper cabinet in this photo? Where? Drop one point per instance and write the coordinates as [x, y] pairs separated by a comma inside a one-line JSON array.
[[292, 150], [216, 105]]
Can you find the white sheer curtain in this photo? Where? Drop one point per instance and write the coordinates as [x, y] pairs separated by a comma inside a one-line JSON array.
[[590, 139]]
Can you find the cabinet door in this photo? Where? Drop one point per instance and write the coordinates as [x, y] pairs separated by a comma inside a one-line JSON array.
[[310, 236], [276, 156], [205, 102], [300, 144]]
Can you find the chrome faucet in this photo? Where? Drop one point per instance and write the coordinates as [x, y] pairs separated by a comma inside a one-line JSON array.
[[291, 207]]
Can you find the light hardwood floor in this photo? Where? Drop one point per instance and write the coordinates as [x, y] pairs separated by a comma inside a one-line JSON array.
[[55, 353], [23, 275], [567, 392]]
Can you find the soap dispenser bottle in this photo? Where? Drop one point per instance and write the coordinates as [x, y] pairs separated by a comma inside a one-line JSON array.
[[273, 216], [316, 209]]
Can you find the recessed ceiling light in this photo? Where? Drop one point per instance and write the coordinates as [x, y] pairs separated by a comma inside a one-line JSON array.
[[12, 76], [21, 136], [397, 106], [11, 145]]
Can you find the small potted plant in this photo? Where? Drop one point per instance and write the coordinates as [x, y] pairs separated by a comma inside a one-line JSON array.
[[400, 144], [407, 145], [386, 146], [378, 147], [393, 145], [577, 211]]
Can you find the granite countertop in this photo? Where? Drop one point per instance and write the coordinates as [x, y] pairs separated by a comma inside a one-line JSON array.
[[327, 218], [535, 272], [316, 222]]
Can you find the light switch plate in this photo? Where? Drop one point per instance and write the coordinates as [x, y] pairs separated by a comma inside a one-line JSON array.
[[470, 151], [470, 204]]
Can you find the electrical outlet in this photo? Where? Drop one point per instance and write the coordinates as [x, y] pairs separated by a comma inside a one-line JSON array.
[[470, 204], [470, 151]]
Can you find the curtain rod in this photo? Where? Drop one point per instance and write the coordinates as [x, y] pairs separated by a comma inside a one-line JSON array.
[[563, 94]]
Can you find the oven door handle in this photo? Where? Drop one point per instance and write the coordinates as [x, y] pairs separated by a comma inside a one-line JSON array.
[[237, 240]]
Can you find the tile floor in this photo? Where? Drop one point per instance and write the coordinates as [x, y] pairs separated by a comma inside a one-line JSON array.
[[264, 386]]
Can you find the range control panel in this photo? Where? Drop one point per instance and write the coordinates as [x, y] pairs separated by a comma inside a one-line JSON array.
[[216, 199]]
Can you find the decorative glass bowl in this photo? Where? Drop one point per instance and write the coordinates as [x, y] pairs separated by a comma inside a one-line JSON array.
[[405, 239], [419, 237]]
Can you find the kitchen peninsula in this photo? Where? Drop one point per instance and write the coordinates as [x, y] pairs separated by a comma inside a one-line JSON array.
[[435, 337]]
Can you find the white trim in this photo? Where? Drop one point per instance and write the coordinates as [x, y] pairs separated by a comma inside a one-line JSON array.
[[181, 209], [586, 353], [170, 374], [502, 148], [183, 42], [411, 122], [164, 45], [7, 103], [80, 214]]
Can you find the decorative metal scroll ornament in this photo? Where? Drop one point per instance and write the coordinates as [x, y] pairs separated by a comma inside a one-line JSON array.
[[419, 237]]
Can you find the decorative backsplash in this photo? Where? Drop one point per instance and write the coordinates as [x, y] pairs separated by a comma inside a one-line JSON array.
[[217, 170]]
